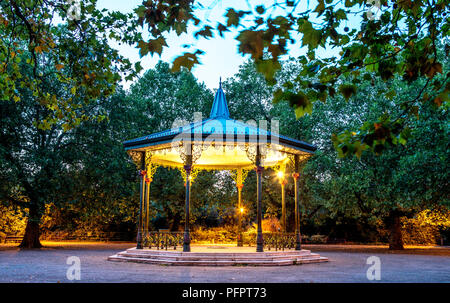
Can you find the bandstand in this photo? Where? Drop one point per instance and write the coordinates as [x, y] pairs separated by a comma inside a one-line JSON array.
[[219, 143]]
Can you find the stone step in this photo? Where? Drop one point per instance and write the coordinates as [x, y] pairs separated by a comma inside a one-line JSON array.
[[164, 257], [214, 257], [203, 254], [282, 262]]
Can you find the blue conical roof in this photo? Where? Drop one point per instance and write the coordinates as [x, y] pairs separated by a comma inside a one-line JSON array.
[[220, 107], [220, 124]]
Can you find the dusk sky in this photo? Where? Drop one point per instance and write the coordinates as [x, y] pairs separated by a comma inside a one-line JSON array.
[[221, 58]]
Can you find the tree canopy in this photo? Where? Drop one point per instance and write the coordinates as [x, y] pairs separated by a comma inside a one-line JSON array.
[[383, 40]]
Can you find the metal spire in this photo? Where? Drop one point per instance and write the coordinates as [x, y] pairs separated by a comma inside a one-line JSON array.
[[220, 107]]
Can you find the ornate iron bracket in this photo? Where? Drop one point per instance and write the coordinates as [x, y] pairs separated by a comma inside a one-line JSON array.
[[239, 179], [150, 166], [136, 157], [196, 151], [193, 175], [252, 152]]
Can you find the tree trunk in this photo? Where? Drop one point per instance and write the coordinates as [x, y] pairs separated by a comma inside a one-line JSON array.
[[395, 238], [32, 232]]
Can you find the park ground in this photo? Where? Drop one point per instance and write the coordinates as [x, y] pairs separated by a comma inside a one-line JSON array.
[[348, 264]]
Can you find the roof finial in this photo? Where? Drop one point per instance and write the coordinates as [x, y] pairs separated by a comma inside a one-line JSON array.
[[220, 83]]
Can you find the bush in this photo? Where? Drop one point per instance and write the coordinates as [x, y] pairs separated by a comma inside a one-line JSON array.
[[12, 221], [222, 235], [320, 239], [414, 232], [271, 225]]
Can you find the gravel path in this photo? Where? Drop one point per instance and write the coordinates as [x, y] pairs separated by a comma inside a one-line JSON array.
[[49, 265]]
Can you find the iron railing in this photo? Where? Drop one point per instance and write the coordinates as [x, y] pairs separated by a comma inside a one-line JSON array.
[[163, 240], [172, 240], [279, 241]]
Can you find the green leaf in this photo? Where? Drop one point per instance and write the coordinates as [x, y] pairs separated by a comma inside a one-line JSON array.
[[187, 60], [222, 28], [138, 67], [347, 90], [311, 37], [205, 32], [260, 9], [268, 68], [340, 14], [320, 7], [391, 94], [232, 17], [251, 42], [156, 45]]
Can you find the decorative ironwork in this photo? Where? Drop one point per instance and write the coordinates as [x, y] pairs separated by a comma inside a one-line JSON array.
[[235, 175], [164, 240], [193, 175], [279, 241], [182, 149], [150, 166], [291, 158], [252, 149], [302, 159], [197, 150], [136, 157]]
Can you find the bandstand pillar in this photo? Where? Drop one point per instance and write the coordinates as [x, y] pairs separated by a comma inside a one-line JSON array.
[[187, 236], [142, 174], [147, 213], [296, 176], [259, 171], [283, 205]]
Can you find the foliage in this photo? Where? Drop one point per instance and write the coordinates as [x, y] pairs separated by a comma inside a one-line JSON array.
[[12, 221], [394, 39], [82, 181], [54, 73], [400, 183], [225, 234], [73, 53], [416, 232]]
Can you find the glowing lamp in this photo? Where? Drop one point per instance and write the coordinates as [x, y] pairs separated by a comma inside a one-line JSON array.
[[280, 174]]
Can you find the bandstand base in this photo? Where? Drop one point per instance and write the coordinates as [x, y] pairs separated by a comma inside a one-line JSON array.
[[209, 256]]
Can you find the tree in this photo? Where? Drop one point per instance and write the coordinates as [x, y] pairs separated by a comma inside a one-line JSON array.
[[52, 78], [393, 38], [387, 187]]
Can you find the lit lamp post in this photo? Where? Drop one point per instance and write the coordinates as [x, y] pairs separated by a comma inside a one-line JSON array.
[[240, 240], [239, 179], [283, 183]]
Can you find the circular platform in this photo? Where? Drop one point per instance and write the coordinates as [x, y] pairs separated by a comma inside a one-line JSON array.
[[218, 256]]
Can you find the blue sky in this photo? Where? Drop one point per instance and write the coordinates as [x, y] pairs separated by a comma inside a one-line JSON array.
[[221, 58]]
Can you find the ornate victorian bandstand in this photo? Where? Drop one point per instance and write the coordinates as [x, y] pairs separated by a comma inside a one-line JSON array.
[[218, 143]]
